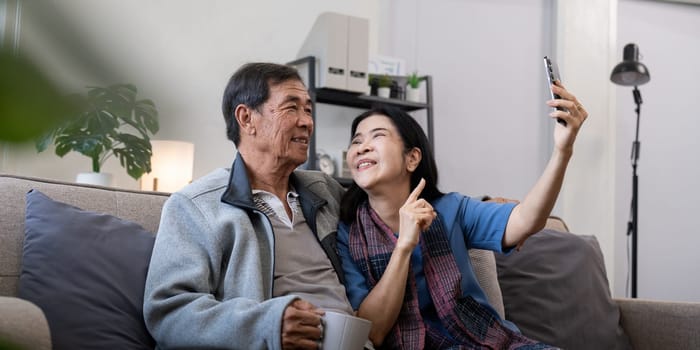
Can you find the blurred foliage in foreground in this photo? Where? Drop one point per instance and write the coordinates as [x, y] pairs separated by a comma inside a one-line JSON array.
[[7, 345], [30, 103]]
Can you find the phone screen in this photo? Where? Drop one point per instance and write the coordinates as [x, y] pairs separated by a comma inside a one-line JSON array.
[[552, 72]]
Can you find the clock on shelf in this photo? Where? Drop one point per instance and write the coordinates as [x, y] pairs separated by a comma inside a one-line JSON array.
[[325, 163]]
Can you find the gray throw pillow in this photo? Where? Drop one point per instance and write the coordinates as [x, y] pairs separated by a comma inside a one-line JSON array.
[[556, 291], [86, 271]]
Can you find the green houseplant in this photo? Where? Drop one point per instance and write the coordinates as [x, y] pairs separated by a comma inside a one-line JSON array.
[[413, 80], [112, 122], [412, 87], [384, 80], [384, 83]]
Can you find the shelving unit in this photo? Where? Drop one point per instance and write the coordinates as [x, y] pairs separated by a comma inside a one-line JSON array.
[[356, 100]]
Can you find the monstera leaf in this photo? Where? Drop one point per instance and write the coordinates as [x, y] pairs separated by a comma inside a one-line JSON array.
[[113, 122]]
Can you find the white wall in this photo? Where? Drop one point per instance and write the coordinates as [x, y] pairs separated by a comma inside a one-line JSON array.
[[178, 53], [585, 37], [489, 89], [668, 36]]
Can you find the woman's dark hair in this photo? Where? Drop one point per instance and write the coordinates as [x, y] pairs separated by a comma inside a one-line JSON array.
[[413, 136], [250, 85]]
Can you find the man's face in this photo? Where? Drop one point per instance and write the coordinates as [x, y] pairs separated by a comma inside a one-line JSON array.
[[284, 125]]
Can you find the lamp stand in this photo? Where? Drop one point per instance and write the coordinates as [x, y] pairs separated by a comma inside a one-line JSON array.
[[633, 224]]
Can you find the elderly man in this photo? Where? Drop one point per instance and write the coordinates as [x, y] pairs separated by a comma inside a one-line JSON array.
[[244, 258]]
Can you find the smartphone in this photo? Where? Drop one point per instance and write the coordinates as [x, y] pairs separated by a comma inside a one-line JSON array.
[[552, 72]]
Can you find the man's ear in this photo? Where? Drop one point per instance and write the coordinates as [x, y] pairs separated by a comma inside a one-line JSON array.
[[244, 118], [413, 158]]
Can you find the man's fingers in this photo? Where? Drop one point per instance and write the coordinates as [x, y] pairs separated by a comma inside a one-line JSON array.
[[300, 341], [416, 191], [302, 304], [301, 325], [301, 331], [300, 312]]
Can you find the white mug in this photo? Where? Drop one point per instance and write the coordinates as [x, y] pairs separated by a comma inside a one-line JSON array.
[[344, 332]]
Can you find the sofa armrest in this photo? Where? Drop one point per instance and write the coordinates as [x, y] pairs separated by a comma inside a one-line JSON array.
[[660, 324], [23, 325]]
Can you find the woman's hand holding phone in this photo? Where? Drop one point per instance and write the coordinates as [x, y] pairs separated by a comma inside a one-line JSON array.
[[552, 72]]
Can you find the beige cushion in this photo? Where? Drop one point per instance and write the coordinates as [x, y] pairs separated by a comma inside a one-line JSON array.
[[23, 325], [484, 265], [557, 224]]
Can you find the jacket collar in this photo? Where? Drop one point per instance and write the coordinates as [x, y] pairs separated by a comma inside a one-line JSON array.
[[238, 192], [310, 201]]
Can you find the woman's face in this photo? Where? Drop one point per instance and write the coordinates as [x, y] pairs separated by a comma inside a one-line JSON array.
[[376, 155]]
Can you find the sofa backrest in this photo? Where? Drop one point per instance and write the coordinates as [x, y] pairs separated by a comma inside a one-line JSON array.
[[141, 207]]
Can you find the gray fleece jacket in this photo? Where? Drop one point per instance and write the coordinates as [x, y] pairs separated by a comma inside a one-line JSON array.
[[209, 282]]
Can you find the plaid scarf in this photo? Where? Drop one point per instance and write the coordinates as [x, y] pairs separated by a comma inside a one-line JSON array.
[[470, 325]]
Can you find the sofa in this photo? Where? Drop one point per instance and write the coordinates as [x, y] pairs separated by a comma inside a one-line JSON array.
[[647, 324]]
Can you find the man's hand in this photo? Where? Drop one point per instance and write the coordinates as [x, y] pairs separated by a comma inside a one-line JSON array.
[[301, 326]]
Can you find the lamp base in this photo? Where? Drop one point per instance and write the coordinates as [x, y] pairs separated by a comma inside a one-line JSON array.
[[92, 178]]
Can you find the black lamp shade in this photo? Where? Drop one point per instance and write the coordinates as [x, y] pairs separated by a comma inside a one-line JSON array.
[[630, 72]]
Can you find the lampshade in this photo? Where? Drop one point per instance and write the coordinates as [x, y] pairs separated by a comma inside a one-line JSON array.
[[171, 166], [630, 72]]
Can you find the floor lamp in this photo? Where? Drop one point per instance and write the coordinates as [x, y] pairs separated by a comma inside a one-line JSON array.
[[631, 72]]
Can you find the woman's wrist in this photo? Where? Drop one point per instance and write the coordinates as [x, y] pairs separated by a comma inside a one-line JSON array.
[[562, 155], [403, 249]]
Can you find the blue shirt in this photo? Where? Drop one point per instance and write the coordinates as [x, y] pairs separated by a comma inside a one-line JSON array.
[[469, 223]]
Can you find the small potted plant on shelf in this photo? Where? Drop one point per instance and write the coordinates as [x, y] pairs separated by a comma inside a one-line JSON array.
[[412, 87], [384, 83], [112, 123]]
